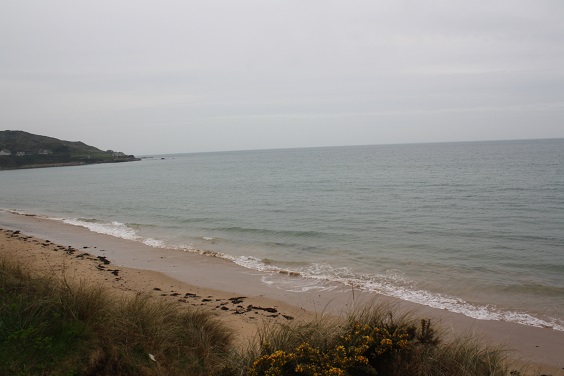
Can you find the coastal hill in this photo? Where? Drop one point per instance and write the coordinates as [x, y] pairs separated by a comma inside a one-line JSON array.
[[19, 149]]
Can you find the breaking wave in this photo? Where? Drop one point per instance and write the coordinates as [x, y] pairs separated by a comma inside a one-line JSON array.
[[304, 277], [114, 228]]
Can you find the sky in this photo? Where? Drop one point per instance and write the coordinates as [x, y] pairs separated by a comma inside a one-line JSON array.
[[173, 76]]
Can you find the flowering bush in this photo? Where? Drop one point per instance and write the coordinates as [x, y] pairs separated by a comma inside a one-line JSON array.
[[360, 349]]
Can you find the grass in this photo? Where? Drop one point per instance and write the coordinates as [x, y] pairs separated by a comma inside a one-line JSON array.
[[49, 326]]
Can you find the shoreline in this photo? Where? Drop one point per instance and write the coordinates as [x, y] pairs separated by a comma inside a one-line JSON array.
[[141, 266], [66, 164], [43, 257]]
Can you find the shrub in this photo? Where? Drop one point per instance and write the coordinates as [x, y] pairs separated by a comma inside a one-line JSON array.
[[371, 341], [356, 348]]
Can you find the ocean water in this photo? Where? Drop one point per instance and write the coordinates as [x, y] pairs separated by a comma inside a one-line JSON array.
[[475, 228]]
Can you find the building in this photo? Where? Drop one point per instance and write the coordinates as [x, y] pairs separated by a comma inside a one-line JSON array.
[[5, 152]]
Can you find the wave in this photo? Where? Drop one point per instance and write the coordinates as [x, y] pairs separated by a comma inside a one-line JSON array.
[[320, 276], [114, 228], [395, 285], [315, 277]]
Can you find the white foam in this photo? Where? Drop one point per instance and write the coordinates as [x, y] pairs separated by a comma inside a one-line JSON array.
[[322, 277], [190, 248], [116, 229], [452, 304], [393, 284], [255, 264], [155, 243], [297, 284]]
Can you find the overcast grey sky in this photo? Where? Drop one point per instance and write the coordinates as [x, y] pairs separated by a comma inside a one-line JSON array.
[[170, 76]]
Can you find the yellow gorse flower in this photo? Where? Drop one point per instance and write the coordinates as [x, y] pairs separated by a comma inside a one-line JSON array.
[[386, 342], [359, 346]]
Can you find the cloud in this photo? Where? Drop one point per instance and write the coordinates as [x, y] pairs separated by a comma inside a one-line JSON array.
[[136, 66]]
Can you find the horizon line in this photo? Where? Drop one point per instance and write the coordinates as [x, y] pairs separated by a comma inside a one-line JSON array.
[[351, 145]]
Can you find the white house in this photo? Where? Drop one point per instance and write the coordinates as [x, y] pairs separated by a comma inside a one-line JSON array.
[[5, 152]]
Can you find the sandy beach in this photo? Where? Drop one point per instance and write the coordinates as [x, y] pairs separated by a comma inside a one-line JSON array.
[[238, 296]]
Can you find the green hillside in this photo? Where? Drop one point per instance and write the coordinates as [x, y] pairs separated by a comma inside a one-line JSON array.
[[19, 149]]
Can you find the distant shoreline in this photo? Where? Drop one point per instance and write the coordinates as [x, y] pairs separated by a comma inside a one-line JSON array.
[[23, 150], [65, 164]]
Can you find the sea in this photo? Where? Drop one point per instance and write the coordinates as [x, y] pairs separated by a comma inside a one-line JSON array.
[[473, 227]]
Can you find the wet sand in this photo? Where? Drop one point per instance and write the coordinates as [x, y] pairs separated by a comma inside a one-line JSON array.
[[241, 297]]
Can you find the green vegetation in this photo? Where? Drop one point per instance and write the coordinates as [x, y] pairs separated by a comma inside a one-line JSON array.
[[52, 327], [372, 342], [20, 149]]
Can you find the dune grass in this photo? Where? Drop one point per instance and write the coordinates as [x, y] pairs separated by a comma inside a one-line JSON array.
[[49, 326]]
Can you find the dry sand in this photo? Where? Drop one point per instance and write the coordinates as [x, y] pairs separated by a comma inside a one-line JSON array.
[[241, 313], [230, 291]]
